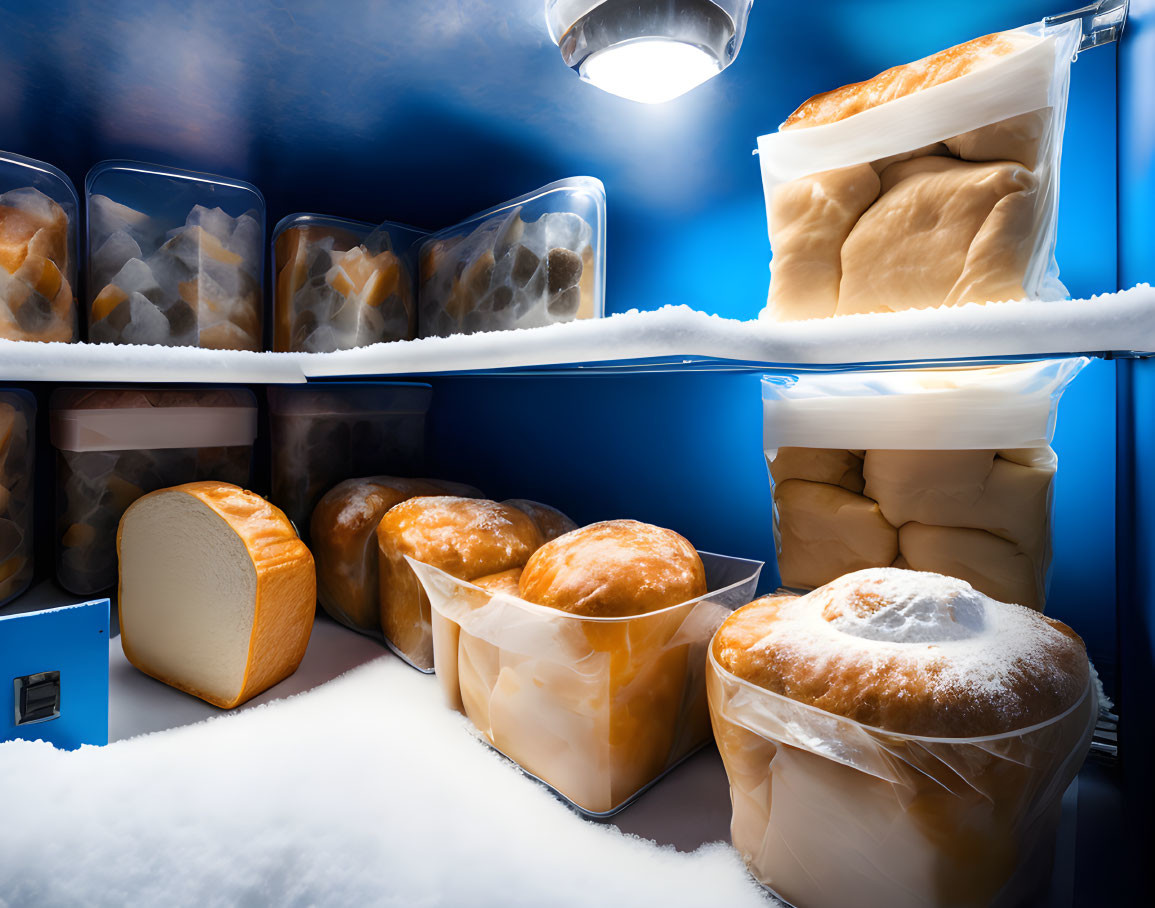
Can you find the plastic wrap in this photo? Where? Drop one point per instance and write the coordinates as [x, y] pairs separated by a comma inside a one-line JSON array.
[[940, 195], [536, 260], [830, 813], [947, 471], [175, 258], [17, 460], [39, 229], [597, 708], [116, 444], [322, 435], [340, 284]]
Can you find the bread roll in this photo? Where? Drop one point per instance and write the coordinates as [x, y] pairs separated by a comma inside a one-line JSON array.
[[465, 537], [551, 522], [863, 715], [217, 593], [343, 532], [829, 465], [614, 569]]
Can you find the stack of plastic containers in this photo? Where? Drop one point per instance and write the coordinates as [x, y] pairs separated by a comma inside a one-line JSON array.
[[17, 460]]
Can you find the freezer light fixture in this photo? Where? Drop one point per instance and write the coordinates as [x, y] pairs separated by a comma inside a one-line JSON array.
[[649, 51]]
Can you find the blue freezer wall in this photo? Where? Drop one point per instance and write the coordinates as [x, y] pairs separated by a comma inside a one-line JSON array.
[[1136, 395]]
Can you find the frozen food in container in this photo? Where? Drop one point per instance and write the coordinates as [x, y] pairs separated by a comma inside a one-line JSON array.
[[175, 258], [339, 284], [324, 434], [17, 460], [933, 184], [39, 251], [116, 444], [596, 708], [945, 470], [829, 812], [536, 260]]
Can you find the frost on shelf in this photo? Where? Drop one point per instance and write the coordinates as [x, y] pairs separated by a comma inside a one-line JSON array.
[[408, 809], [508, 273], [198, 285], [1121, 321], [36, 292]]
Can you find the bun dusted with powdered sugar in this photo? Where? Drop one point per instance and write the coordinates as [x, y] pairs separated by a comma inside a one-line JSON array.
[[908, 652]]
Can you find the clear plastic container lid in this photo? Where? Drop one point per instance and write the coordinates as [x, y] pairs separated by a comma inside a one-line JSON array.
[[122, 419], [46, 203], [171, 237], [532, 261], [350, 398]]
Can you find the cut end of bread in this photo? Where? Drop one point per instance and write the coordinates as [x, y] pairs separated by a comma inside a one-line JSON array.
[[217, 593]]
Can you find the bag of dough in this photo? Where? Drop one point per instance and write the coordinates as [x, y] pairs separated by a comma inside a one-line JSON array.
[[935, 183], [942, 470]]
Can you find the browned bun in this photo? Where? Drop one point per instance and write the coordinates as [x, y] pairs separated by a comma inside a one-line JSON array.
[[614, 569], [344, 544], [465, 537], [550, 521], [908, 652], [831, 106]]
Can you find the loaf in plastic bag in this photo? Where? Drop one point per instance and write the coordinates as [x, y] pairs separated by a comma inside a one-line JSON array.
[[948, 471], [830, 812], [932, 184], [597, 708]]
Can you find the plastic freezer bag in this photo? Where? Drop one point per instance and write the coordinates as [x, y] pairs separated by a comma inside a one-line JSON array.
[[175, 258], [39, 230], [597, 708], [116, 444], [948, 471], [830, 813], [934, 184], [17, 459], [536, 260], [340, 284]]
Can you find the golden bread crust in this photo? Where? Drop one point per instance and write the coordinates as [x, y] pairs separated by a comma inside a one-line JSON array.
[[900, 81], [614, 569], [996, 667]]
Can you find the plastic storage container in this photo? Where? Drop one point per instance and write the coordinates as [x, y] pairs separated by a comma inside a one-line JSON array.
[[115, 444], [17, 460], [949, 471], [174, 258], [968, 142], [536, 260], [39, 251], [829, 812], [597, 708], [339, 284], [323, 435]]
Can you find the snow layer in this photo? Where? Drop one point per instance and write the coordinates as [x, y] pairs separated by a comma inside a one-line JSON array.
[[149, 364], [1110, 322], [365, 791]]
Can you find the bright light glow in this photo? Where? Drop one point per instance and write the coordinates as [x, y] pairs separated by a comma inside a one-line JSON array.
[[650, 70]]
